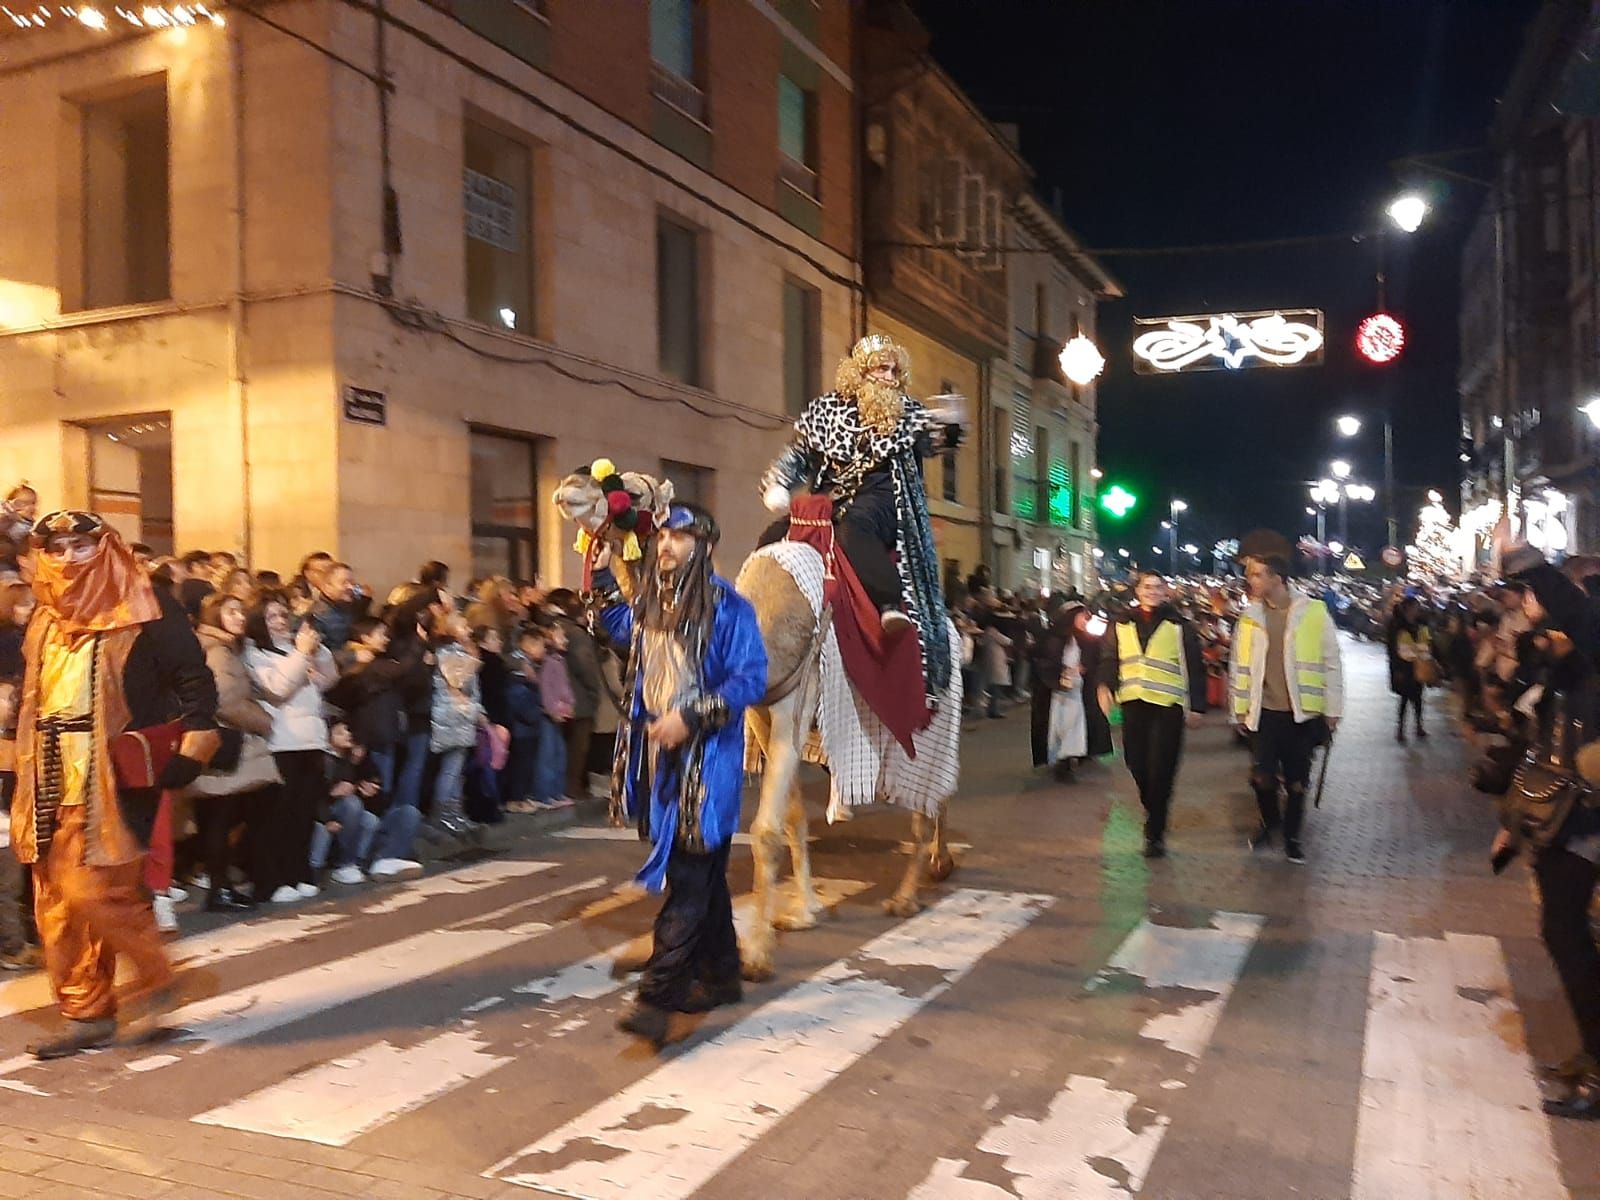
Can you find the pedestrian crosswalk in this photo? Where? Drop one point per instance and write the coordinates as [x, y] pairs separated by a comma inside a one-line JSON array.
[[472, 1012]]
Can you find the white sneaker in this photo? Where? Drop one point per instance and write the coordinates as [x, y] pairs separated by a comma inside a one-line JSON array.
[[390, 868], [287, 894], [202, 881], [308, 890], [166, 915], [347, 874], [176, 894]]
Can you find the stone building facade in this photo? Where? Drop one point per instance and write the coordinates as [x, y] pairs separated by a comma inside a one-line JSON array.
[[370, 278]]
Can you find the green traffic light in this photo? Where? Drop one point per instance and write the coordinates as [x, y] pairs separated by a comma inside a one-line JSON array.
[[1118, 501]]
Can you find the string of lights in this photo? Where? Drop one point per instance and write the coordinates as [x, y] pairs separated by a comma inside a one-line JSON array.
[[90, 16]]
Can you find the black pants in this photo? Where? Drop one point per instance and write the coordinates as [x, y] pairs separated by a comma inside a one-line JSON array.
[[219, 816], [694, 937], [1566, 887], [1152, 742], [861, 535], [286, 831], [1410, 697], [1282, 747]]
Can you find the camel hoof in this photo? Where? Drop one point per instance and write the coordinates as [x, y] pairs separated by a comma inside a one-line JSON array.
[[941, 867], [756, 970], [902, 906], [795, 920]]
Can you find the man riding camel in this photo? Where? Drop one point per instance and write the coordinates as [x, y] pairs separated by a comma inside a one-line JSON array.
[[862, 444]]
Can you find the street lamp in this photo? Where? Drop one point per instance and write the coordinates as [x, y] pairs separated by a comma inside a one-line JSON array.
[[1592, 411], [1340, 468], [1408, 212], [1123, 551], [1177, 506], [1349, 425]]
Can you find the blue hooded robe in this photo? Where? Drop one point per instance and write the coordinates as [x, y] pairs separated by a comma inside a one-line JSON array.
[[735, 670]]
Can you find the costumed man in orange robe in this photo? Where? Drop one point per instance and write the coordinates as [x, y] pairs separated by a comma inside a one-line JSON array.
[[105, 654]]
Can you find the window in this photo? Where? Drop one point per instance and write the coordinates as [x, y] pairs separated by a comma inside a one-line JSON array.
[[496, 178], [1002, 471], [1074, 477], [802, 345], [797, 122], [505, 533], [126, 222], [1021, 442], [948, 458], [678, 301], [1042, 476], [672, 37], [690, 483]]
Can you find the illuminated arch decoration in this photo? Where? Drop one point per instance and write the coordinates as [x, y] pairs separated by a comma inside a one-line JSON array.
[[1229, 341], [1380, 339]]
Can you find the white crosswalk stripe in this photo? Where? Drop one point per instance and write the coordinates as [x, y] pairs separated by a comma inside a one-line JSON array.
[[248, 937], [671, 1133], [1067, 1151], [1449, 1105], [335, 1103]]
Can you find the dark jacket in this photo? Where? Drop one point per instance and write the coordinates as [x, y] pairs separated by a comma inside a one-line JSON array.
[[369, 695], [524, 705], [493, 679], [343, 770], [1110, 674], [583, 670]]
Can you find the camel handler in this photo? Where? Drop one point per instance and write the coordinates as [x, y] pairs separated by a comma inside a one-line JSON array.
[[696, 662], [105, 654], [1154, 668], [1286, 685]]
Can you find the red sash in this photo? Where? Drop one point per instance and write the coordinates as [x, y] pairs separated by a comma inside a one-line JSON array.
[[887, 674]]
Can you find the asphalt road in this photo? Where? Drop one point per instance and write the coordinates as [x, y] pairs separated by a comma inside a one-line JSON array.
[[1065, 1018]]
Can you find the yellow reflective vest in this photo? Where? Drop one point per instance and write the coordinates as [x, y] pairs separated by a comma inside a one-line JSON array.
[[1305, 661], [1158, 672]]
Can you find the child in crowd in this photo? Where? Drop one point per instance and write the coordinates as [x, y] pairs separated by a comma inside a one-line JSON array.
[[368, 693], [525, 708], [456, 715], [555, 688], [346, 826]]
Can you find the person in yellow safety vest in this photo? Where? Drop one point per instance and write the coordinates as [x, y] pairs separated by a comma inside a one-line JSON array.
[[1156, 672], [1286, 686]]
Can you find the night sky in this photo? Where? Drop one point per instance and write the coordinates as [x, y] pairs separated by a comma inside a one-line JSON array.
[[1200, 121]]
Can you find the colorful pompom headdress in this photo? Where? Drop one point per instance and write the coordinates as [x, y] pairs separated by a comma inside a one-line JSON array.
[[635, 504]]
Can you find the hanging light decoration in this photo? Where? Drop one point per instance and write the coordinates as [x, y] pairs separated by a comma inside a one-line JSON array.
[[90, 16], [1380, 338], [1081, 361]]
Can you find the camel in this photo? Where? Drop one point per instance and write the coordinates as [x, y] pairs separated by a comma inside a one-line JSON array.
[[779, 727]]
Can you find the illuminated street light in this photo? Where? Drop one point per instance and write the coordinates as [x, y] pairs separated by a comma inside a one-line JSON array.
[[508, 317], [1099, 553], [1166, 524], [1190, 548], [1336, 547], [1310, 512], [1081, 361], [1434, 497], [1408, 212], [1592, 411], [1340, 468], [1348, 426], [1179, 506], [1157, 549], [1123, 552]]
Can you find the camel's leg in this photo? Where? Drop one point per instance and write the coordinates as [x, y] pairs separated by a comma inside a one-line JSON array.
[[941, 863], [905, 901], [766, 838], [804, 908]]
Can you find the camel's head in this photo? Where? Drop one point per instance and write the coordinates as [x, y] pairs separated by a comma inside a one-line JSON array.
[[621, 504], [580, 499]]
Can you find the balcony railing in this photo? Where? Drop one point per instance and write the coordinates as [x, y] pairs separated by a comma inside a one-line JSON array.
[[674, 89]]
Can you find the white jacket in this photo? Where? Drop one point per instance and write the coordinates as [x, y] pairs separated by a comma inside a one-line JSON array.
[[1299, 605], [293, 697]]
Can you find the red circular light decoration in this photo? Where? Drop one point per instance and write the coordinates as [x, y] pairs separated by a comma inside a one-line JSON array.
[[1380, 338]]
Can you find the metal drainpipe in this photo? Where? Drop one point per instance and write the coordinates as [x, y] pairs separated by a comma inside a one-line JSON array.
[[986, 467], [238, 381]]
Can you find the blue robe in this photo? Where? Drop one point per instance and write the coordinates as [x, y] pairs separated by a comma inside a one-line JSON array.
[[735, 668]]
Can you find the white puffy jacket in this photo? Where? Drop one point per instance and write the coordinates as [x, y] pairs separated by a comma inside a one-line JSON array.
[[292, 684]]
